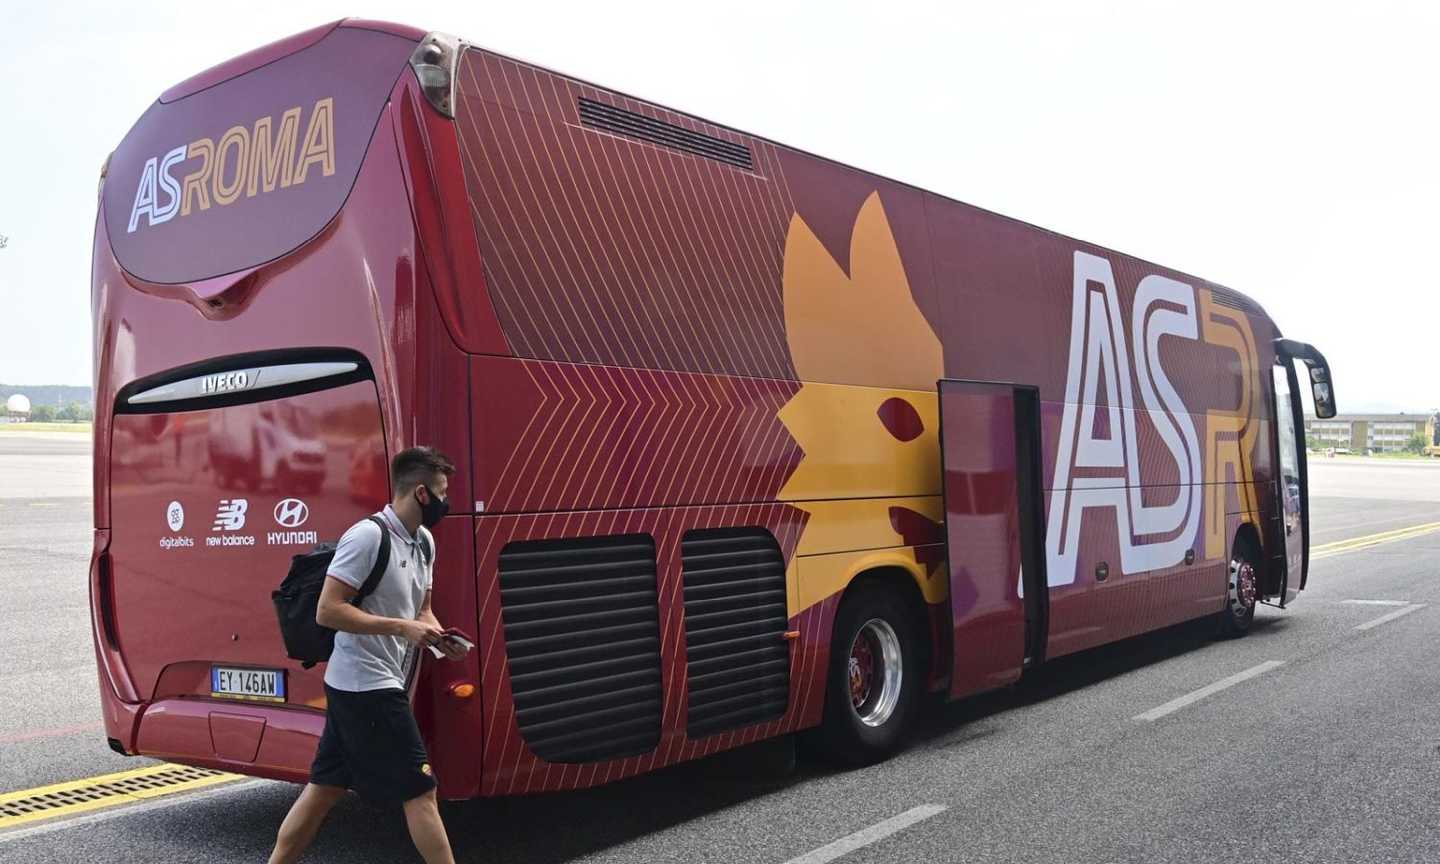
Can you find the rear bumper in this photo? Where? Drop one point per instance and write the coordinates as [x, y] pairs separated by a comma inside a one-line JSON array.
[[262, 740], [259, 740]]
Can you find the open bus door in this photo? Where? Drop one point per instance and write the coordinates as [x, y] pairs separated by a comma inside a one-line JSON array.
[[1292, 478], [990, 456]]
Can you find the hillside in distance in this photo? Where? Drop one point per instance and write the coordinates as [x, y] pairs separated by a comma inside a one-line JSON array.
[[54, 395]]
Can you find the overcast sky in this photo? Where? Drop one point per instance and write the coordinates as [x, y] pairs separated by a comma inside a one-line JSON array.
[[1287, 151]]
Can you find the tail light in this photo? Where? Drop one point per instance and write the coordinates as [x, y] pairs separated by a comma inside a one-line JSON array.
[[102, 605], [434, 62], [105, 600]]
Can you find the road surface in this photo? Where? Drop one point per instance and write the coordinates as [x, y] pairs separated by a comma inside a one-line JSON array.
[[1314, 739]]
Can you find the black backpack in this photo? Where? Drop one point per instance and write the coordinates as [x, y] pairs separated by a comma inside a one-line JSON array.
[[296, 598]]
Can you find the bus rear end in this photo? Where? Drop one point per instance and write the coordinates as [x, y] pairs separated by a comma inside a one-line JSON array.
[[262, 309]]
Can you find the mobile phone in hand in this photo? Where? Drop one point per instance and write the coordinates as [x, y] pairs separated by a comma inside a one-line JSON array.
[[455, 636]]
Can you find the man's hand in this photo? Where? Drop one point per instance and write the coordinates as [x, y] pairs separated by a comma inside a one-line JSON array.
[[451, 649], [420, 633]]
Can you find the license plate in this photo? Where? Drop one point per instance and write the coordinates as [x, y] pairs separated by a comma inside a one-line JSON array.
[[264, 685]]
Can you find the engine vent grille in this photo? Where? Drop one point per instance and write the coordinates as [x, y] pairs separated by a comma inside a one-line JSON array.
[[1233, 299], [735, 618], [582, 634], [630, 124]]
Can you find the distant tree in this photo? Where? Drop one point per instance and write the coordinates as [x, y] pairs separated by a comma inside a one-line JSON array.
[[1416, 444], [1311, 443], [76, 412], [42, 414]]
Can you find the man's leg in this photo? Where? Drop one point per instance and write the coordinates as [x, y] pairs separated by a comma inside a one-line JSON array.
[[422, 815], [303, 820]]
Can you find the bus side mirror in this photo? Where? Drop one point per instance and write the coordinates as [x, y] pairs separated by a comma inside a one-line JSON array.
[[1288, 350], [1320, 390]]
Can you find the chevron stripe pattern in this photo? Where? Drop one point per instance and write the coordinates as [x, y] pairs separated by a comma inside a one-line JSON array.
[[580, 437]]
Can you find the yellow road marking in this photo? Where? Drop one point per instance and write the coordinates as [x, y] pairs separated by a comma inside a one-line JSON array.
[[105, 790], [1351, 545]]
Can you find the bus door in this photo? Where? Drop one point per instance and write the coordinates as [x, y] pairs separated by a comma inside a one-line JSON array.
[[990, 454], [1290, 505], [1292, 487]]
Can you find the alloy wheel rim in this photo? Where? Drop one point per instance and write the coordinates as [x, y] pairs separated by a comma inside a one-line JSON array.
[[1243, 587], [875, 672]]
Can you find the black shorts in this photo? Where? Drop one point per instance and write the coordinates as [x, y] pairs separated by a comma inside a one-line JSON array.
[[372, 745]]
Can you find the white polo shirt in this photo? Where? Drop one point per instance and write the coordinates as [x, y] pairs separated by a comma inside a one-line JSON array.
[[365, 662]]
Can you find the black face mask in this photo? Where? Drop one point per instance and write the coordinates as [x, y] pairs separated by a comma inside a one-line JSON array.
[[434, 511]]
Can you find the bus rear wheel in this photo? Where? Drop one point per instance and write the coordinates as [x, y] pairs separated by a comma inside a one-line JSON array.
[[1243, 591], [873, 678]]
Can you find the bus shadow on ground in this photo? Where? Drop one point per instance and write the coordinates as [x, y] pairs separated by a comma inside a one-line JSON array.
[[944, 725], [566, 826], [562, 827]]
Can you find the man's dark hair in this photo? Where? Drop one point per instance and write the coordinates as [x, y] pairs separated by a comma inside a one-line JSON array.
[[418, 465]]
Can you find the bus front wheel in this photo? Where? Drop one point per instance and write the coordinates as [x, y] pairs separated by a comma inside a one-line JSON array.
[[873, 677], [1242, 592]]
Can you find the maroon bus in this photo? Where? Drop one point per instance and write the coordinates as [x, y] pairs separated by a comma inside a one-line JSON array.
[[749, 442]]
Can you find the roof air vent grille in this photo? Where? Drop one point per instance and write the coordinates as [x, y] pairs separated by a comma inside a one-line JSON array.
[[630, 124]]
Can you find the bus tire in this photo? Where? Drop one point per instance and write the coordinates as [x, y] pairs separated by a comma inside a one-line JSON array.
[[1242, 590], [873, 678]]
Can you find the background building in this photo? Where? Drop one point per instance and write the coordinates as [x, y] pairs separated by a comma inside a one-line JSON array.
[[1379, 433], [17, 409]]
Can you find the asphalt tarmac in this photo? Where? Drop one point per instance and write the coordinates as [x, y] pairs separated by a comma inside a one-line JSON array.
[[1314, 739]]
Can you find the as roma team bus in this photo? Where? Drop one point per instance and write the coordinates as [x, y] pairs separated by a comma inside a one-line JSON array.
[[749, 443]]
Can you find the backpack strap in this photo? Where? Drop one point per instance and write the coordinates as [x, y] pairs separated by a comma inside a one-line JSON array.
[[382, 560], [423, 535]]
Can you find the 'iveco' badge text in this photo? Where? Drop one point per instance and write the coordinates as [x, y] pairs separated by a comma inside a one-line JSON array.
[[225, 382]]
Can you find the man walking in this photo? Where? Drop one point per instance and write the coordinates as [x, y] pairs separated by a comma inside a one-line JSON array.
[[371, 743]]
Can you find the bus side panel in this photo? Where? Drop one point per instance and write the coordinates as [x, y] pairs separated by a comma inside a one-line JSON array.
[[609, 250]]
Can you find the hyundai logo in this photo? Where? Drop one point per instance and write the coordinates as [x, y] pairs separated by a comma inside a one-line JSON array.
[[291, 513]]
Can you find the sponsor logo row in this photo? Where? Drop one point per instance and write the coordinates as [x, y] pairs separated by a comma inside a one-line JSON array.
[[230, 519]]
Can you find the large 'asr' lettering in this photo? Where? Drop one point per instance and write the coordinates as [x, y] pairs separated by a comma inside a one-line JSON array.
[[1108, 462]]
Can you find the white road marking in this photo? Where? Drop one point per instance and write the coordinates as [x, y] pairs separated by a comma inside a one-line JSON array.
[[1413, 607], [129, 810], [1378, 602], [1190, 698], [866, 836]]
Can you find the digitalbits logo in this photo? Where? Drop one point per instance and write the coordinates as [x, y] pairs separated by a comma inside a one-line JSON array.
[[175, 515]]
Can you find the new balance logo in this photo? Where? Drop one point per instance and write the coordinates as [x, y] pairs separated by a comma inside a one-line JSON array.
[[230, 515]]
